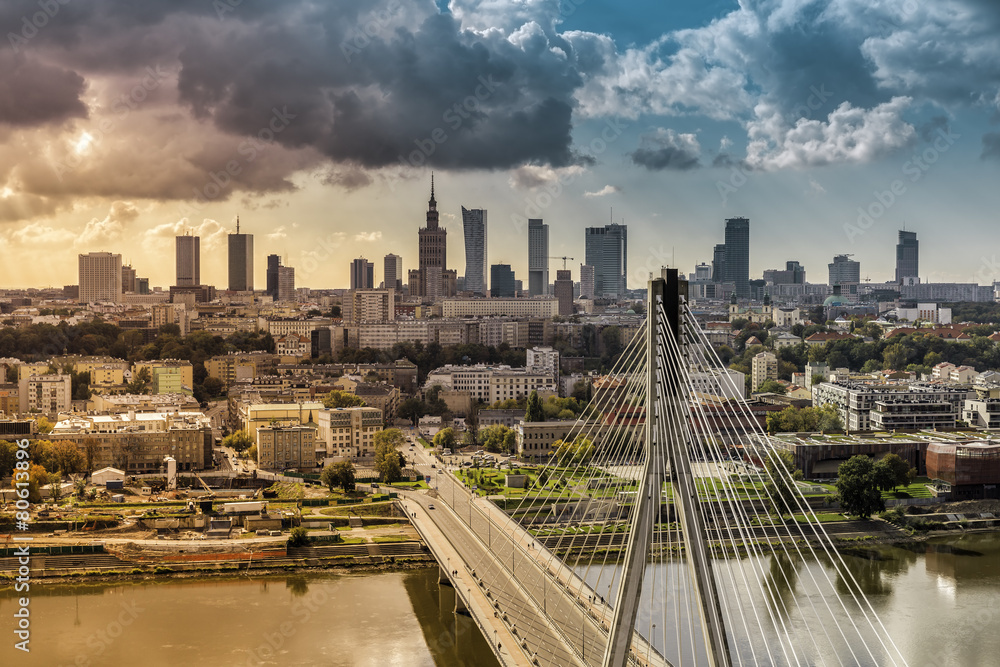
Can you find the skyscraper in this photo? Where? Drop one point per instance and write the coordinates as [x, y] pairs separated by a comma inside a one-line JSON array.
[[100, 276], [474, 225], [737, 256], [432, 279], [607, 251], [843, 269], [538, 257], [273, 262], [907, 256], [719, 263], [362, 274], [798, 272], [563, 290], [501, 281], [188, 250], [240, 261], [392, 272]]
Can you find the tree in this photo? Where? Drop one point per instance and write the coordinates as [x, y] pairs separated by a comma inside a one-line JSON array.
[[771, 387], [342, 399], [445, 438], [857, 486], [413, 409], [80, 487], [892, 471], [213, 386], [340, 474], [251, 453], [578, 451], [298, 537], [534, 412], [123, 451], [386, 458], [55, 487], [37, 478], [497, 438], [44, 425], [239, 441], [543, 478], [90, 446], [140, 382], [67, 458], [8, 458], [781, 477]]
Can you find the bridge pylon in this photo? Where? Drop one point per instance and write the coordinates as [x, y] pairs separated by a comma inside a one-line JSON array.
[[667, 459]]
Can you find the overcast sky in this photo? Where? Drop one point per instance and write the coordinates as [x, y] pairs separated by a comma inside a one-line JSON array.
[[124, 123]]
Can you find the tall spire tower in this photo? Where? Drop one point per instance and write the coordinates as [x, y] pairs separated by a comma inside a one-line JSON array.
[[432, 212], [431, 278]]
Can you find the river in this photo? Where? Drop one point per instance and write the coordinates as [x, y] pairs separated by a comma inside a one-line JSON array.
[[939, 600]]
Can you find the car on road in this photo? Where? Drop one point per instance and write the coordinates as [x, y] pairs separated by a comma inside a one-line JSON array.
[[440, 472], [430, 506], [433, 466]]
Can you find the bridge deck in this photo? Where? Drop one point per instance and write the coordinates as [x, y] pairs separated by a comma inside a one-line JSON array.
[[495, 546]]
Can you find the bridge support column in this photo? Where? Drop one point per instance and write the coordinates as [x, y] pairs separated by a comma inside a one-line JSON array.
[[444, 577], [460, 607]]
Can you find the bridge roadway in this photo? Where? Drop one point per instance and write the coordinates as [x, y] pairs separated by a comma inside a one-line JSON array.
[[560, 618]]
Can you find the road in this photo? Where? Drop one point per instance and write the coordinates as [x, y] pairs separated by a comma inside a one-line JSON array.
[[541, 584]]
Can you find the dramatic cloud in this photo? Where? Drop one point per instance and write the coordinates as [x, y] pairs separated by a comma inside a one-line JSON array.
[[665, 149], [101, 232], [848, 135], [213, 235], [530, 177], [33, 93]]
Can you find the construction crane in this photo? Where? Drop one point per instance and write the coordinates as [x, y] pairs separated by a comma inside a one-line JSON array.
[[563, 259]]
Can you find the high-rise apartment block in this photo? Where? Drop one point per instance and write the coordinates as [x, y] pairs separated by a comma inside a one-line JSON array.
[[538, 257], [907, 256], [607, 251], [188, 252], [474, 226], [240, 261], [100, 275], [737, 256]]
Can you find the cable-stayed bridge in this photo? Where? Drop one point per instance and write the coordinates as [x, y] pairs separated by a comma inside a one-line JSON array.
[[668, 531]]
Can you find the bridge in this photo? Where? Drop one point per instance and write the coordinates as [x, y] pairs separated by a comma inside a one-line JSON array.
[[666, 530]]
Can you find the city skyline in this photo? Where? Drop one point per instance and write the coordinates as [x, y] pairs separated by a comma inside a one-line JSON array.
[[128, 143]]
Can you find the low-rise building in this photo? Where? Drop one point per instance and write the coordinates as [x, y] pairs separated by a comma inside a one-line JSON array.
[[970, 469], [284, 447], [138, 442], [348, 432], [856, 401]]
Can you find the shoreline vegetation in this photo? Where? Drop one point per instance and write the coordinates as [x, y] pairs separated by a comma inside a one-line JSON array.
[[167, 570]]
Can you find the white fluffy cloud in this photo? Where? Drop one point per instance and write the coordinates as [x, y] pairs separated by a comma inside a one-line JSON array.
[[532, 176], [606, 190], [849, 134], [213, 235], [111, 228]]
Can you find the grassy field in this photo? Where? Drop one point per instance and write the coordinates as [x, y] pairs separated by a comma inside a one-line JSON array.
[[423, 442], [916, 490]]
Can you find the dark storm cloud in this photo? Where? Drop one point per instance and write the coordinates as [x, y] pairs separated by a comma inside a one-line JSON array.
[[373, 83], [666, 150], [33, 93]]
